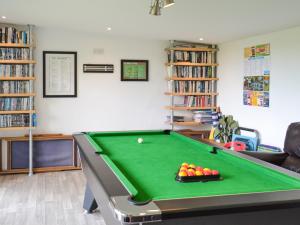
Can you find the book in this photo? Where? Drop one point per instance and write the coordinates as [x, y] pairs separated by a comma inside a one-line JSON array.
[[18, 120], [12, 35]]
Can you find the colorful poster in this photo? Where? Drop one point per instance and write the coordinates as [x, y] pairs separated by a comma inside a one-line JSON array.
[[256, 98], [256, 83]]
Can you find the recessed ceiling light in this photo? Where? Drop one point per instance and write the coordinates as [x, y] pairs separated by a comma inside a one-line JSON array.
[[3, 17], [201, 39], [108, 28]]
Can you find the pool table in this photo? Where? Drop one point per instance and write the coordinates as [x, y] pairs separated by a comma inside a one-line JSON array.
[[134, 183]]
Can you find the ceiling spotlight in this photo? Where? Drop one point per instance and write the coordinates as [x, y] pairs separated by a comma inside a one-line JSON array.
[[201, 39], [157, 5], [155, 8], [3, 17], [168, 3], [108, 28]]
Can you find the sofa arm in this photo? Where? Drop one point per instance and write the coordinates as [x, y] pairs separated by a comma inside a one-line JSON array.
[[276, 158]]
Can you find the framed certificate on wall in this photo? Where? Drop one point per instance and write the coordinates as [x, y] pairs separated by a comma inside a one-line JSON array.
[[134, 70], [59, 74]]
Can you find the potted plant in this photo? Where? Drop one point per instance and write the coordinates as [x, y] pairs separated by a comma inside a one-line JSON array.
[[227, 126]]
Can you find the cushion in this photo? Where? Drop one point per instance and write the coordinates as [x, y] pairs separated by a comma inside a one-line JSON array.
[[292, 140]]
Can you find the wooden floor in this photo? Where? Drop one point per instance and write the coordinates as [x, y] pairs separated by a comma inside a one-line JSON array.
[[45, 199]]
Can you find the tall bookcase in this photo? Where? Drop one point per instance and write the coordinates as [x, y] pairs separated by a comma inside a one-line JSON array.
[[17, 78], [192, 80]]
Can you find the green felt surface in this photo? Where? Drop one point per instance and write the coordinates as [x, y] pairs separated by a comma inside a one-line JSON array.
[[148, 170]]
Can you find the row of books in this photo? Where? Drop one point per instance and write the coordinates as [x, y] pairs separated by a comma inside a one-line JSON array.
[[197, 101], [268, 148], [15, 120], [7, 87], [14, 70], [194, 71], [14, 104], [206, 117], [192, 86], [193, 57], [12, 35], [14, 53]]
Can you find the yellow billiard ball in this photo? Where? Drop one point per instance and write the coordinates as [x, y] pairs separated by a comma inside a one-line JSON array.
[[182, 174], [198, 173]]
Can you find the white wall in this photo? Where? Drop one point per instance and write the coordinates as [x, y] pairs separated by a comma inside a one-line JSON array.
[[284, 107], [103, 102]]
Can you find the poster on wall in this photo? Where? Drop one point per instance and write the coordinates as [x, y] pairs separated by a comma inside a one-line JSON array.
[[59, 74], [256, 82]]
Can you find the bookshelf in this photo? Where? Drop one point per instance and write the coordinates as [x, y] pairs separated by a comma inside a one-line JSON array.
[[186, 123], [15, 45], [191, 78], [190, 93], [192, 81], [17, 80], [17, 112], [190, 64]]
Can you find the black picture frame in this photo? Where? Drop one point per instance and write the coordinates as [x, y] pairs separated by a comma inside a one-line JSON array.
[[142, 64], [46, 75]]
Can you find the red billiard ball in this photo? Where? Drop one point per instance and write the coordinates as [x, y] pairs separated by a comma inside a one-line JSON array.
[[207, 169], [185, 165], [191, 173], [199, 168], [206, 172], [215, 172]]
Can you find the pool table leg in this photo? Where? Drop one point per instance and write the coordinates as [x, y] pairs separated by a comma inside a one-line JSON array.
[[89, 202]]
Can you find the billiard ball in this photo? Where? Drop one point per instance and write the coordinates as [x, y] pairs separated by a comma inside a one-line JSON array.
[[198, 173], [140, 140], [191, 172], [207, 169], [199, 168], [183, 169], [192, 166], [185, 165], [206, 172], [215, 172], [183, 174]]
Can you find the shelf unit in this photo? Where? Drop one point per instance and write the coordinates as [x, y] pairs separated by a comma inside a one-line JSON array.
[[186, 123], [191, 94], [18, 112], [183, 108], [17, 61], [16, 78], [15, 129], [191, 66], [18, 33], [15, 45], [191, 78]]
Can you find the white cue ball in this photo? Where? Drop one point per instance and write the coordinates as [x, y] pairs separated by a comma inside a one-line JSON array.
[[140, 140]]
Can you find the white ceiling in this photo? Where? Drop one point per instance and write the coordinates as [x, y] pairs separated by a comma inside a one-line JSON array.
[[215, 20]]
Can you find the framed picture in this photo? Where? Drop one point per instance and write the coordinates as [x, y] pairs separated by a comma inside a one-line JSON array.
[[134, 70], [59, 74]]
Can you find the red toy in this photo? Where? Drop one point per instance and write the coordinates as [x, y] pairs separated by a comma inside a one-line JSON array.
[[236, 146]]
